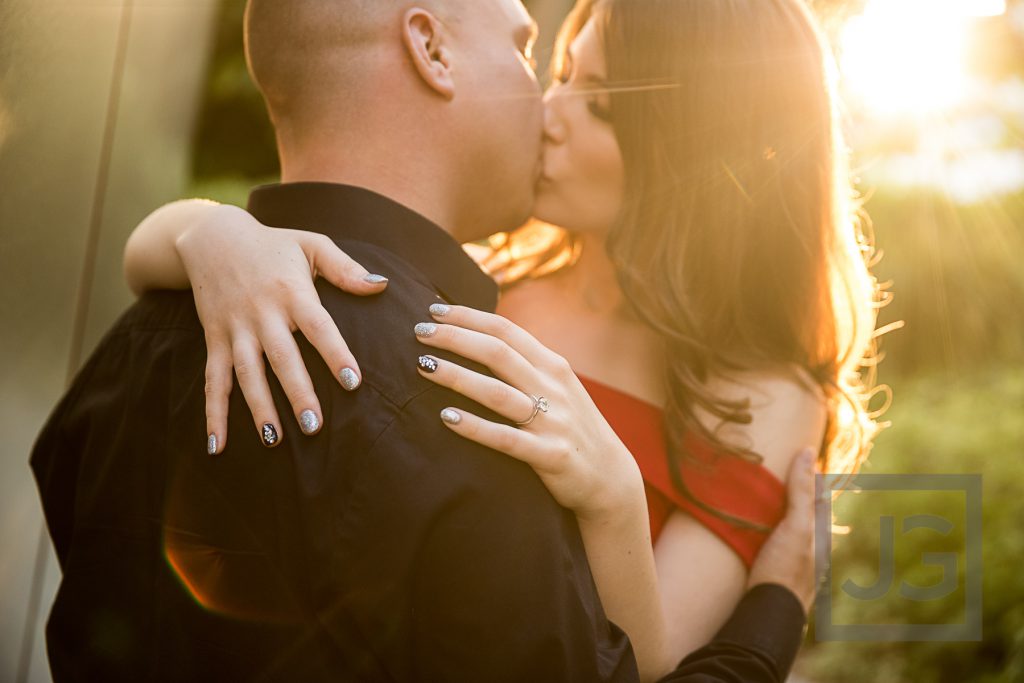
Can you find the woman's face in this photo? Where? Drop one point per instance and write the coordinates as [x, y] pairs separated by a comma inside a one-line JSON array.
[[582, 184]]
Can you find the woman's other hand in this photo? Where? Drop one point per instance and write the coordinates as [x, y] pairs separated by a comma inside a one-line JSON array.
[[565, 439], [254, 287]]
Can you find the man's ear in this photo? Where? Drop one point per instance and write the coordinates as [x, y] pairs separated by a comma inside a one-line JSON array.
[[426, 41]]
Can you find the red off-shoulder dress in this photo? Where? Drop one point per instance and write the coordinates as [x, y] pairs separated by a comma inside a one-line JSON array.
[[737, 487]]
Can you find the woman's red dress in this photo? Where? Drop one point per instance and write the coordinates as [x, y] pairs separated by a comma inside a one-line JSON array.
[[723, 482]]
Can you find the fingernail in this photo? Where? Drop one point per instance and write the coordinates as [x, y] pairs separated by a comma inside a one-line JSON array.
[[450, 416], [349, 379], [440, 310], [427, 364], [269, 435], [211, 444], [808, 456], [309, 422], [374, 279], [425, 329]]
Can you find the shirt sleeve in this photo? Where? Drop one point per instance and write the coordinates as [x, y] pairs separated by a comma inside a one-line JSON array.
[[758, 644]]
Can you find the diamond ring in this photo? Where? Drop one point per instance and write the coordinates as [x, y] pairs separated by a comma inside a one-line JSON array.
[[540, 405]]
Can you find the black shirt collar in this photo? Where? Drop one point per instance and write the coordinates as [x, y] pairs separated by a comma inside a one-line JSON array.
[[345, 212]]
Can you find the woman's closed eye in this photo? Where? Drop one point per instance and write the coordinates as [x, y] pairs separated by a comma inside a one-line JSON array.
[[596, 90], [598, 107]]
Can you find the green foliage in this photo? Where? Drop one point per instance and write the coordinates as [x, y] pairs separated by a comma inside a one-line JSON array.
[[973, 423], [233, 136], [957, 280]]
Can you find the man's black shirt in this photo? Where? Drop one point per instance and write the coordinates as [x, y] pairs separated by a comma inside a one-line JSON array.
[[385, 548]]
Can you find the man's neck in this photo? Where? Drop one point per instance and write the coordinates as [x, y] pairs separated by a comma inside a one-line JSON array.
[[393, 175]]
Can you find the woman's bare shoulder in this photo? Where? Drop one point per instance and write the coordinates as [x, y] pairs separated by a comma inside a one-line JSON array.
[[788, 411]]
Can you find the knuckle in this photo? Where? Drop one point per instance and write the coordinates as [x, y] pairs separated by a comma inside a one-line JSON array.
[[560, 367], [287, 286], [304, 398], [246, 370], [497, 352], [500, 394], [322, 242], [559, 460], [320, 323], [214, 389], [278, 352], [502, 327]]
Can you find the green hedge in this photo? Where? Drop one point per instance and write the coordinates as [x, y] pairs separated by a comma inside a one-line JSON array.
[[972, 423]]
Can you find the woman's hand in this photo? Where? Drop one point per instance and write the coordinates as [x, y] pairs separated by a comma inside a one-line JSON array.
[[569, 444], [571, 447], [253, 287]]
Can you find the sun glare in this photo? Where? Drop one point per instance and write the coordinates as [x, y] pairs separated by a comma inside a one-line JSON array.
[[909, 57]]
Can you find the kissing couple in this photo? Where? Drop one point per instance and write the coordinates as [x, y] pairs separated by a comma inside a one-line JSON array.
[[606, 474]]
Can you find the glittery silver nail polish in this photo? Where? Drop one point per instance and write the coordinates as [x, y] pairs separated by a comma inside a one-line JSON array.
[[375, 279], [450, 416], [440, 310], [211, 444], [425, 329], [309, 422], [349, 379], [427, 364], [269, 434]]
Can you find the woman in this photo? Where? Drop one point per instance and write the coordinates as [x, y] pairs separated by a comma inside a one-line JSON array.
[[708, 286]]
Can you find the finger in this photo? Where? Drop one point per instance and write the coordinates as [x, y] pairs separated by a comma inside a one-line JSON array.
[[286, 362], [496, 326], [502, 359], [252, 380], [218, 391], [487, 391], [337, 267], [319, 328], [519, 444]]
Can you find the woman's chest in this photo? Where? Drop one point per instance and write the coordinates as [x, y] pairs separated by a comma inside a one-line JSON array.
[[626, 356]]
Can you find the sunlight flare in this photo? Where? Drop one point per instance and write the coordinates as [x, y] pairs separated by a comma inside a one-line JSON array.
[[909, 57]]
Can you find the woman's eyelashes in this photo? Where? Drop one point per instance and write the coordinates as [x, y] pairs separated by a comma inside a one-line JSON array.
[[593, 87]]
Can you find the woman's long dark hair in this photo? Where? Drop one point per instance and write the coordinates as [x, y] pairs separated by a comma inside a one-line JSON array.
[[740, 241]]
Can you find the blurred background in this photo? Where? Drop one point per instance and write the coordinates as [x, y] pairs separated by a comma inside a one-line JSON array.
[[112, 107]]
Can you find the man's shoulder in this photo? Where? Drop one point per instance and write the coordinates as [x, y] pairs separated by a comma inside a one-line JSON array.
[[424, 474], [379, 329]]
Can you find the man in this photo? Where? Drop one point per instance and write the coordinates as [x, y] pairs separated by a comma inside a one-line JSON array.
[[385, 547]]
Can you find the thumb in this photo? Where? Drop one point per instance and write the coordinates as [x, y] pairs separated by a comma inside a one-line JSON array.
[[800, 484], [341, 270]]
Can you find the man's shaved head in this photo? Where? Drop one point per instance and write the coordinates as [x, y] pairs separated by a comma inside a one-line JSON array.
[[307, 53], [385, 93], [300, 51]]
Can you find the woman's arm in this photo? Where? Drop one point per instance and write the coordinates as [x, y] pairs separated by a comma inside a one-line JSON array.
[[151, 259], [697, 572], [254, 287], [670, 601]]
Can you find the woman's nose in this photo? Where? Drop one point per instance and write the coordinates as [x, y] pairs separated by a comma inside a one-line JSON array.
[[554, 124]]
